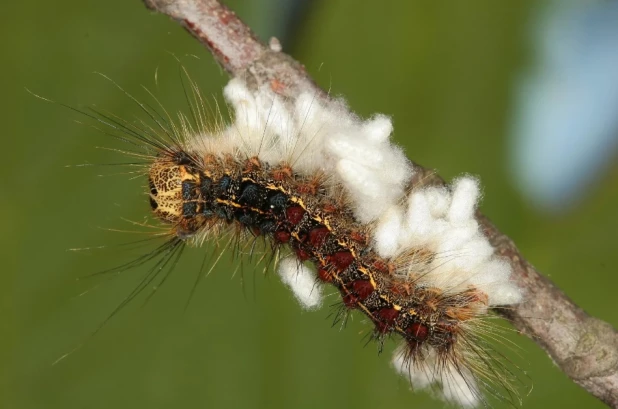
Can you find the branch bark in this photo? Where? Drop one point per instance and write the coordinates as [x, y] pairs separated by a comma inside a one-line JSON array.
[[583, 347]]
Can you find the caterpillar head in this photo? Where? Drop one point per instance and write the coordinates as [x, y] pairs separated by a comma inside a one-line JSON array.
[[176, 194], [165, 184]]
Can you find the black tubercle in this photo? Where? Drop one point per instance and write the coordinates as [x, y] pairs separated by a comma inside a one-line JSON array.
[[247, 218], [189, 197], [188, 190], [224, 183], [189, 209], [153, 189], [153, 203], [183, 158], [205, 186], [267, 227], [153, 192], [252, 194], [277, 200]]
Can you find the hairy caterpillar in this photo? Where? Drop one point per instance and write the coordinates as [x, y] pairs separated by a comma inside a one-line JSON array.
[[311, 177]]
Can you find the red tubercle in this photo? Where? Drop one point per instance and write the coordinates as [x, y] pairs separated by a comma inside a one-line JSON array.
[[418, 331], [277, 86], [302, 254], [282, 236], [350, 300], [362, 288], [325, 276], [283, 173], [359, 237], [387, 315], [385, 318], [358, 291], [402, 289], [252, 164], [318, 235], [256, 231], [341, 260], [414, 345], [447, 327], [382, 266], [295, 214], [330, 208], [478, 296], [307, 188]]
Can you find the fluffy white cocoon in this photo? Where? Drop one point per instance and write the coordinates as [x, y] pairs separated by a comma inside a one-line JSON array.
[[301, 281], [443, 222], [456, 386]]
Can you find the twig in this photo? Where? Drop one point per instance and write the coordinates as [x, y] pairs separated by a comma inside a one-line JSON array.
[[584, 348]]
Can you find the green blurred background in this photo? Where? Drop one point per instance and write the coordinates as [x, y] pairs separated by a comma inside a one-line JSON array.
[[445, 71]]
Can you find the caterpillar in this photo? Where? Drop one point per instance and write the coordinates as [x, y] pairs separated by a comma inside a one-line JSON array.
[[337, 204]]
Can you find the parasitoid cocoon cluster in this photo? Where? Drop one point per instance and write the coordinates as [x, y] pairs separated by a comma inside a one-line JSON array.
[[359, 159]]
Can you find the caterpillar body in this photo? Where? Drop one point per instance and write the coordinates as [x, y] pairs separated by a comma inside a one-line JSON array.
[[310, 176], [294, 210]]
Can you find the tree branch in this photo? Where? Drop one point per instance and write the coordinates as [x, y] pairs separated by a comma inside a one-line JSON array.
[[585, 348]]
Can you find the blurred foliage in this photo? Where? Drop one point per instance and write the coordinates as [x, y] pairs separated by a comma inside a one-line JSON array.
[[444, 70]]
